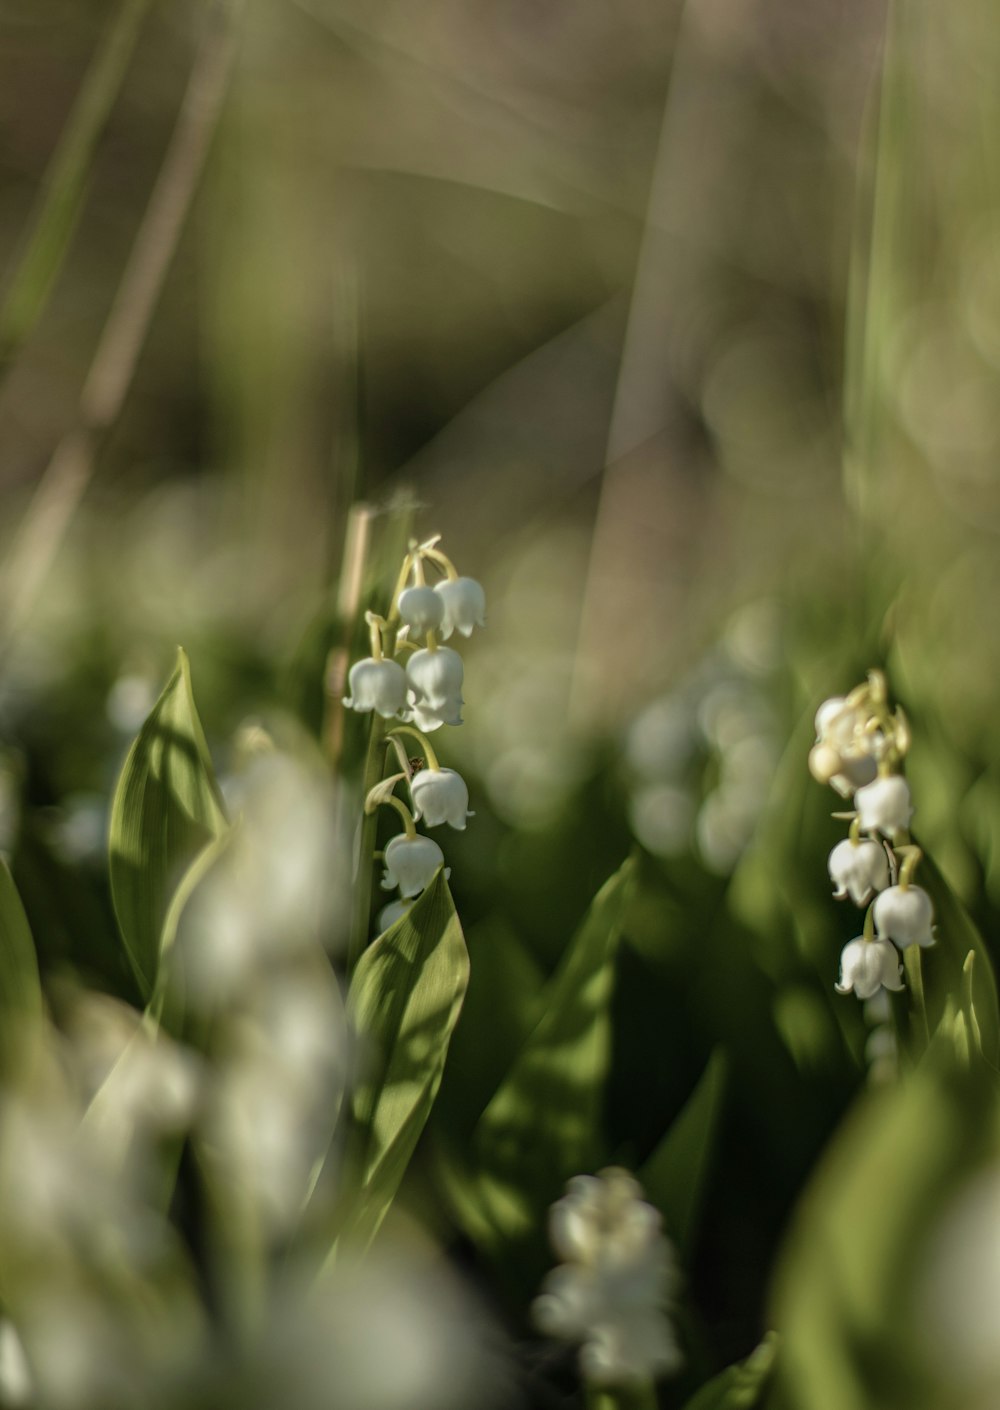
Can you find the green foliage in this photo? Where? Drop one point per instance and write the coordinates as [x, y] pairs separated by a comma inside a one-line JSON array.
[[740, 1387], [543, 1124], [20, 991], [958, 967], [404, 1001], [166, 809], [674, 1176]]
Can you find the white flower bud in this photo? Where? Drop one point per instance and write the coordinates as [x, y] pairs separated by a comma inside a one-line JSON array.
[[435, 680], [410, 864], [857, 869], [377, 685], [421, 609], [844, 754], [884, 806], [464, 605], [440, 796], [904, 914], [866, 966], [389, 915]]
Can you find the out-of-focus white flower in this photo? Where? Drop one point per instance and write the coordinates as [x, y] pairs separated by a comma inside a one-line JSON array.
[[376, 685], [884, 806], [389, 915], [612, 1288], [857, 869], [421, 609], [435, 681], [866, 966], [905, 914], [16, 1386], [464, 606], [845, 752], [440, 796], [410, 864]]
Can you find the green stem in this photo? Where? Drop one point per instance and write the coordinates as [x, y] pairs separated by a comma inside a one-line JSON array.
[[913, 964], [401, 809], [423, 741], [374, 767], [640, 1396]]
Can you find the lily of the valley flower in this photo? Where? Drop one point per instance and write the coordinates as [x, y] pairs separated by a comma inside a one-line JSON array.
[[868, 965], [905, 914], [440, 796], [464, 605], [884, 806], [377, 685], [389, 915], [857, 869], [421, 609], [844, 754], [435, 680], [410, 864], [617, 1275]]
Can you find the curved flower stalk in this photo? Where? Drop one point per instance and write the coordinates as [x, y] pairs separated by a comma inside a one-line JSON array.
[[414, 684], [612, 1288], [860, 748]]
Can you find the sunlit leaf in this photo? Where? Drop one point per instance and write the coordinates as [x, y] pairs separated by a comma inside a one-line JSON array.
[[739, 1387], [544, 1123], [404, 1001], [166, 809], [674, 1175]]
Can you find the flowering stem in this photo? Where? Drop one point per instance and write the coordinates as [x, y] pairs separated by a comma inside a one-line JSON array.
[[375, 625], [401, 809], [910, 861], [441, 559], [404, 573], [374, 767], [423, 741]]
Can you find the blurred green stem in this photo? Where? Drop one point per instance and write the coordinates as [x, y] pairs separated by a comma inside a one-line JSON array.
[[915, 975], [641, 1396], [374, 769]]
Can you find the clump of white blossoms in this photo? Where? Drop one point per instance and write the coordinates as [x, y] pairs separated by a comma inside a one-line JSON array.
[[614, 1284], [422, 692], [860, 748]]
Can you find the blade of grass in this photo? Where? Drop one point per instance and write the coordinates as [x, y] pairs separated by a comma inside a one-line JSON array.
[[65, 183], [69, 471]]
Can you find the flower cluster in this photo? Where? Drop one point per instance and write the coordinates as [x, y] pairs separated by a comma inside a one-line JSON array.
[[859, 749], [611, 1290], [421, 695]]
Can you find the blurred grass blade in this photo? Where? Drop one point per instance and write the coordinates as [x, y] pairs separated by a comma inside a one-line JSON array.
[[404, 1002], [947, 972], [674, 1175], [20, 990], [166, 809], [66, 181], [739, 1387], [544, 1123]]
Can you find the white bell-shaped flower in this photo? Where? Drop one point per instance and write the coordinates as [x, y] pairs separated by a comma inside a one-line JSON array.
[[377, 685], [464, 605], [845, 752], [617, 1275], [905, 914], [421, 609], [435, 681], [389, 915], [857, 869], [866, 966], [884, 806], [440, 796], [410, 864]]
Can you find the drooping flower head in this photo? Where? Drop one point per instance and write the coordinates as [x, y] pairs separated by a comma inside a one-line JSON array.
[[440, 796], [464, 605], [868, 965], [410, 864], [904, 914], [884, 806], [858, 869], [377, 685]]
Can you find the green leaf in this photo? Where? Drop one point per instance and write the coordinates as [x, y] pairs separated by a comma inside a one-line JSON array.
[[947, 970], [404, 1002], [20, 990], [739, 1387], [66, 181], [843, 1292], [166, 809], [674, 1175], [543, 1125]]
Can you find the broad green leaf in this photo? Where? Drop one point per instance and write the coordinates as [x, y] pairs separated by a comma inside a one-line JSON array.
[[847, 1270], [404, 1002], [739, 1387], [947, 970], [66, 180], [20, 990], [166, 809], [674, 1175], [544, 1123]]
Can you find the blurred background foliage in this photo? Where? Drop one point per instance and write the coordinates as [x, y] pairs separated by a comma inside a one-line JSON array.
[[568, 284]]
